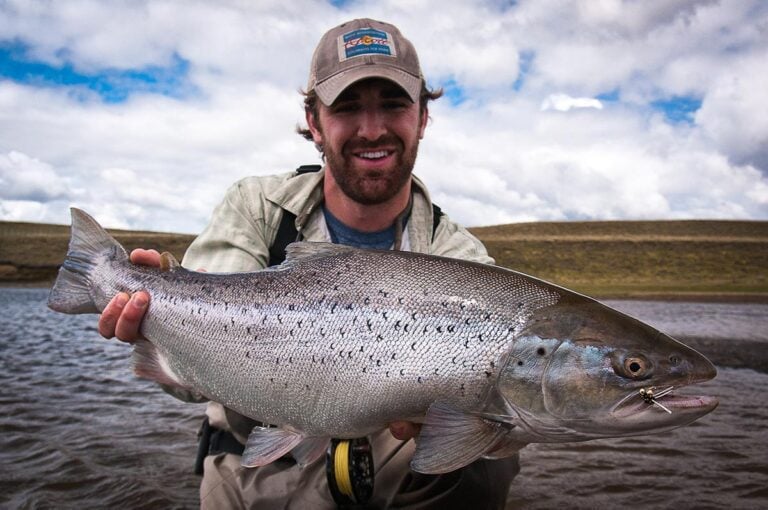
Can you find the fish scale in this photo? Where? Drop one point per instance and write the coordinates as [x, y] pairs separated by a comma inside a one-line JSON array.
[[339, 342]]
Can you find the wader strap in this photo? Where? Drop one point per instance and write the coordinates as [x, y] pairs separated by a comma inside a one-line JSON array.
[[214, 441]]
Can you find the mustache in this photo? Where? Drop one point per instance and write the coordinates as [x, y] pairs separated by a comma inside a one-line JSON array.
[[360, 143]]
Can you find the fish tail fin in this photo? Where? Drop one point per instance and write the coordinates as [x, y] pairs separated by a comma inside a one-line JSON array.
[[71, 292]]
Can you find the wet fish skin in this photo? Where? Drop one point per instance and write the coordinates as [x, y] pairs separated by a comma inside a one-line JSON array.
[[338, 342]]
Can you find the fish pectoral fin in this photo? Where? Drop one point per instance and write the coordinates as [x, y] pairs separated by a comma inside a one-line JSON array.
[[168, 262], [451, 439], [267, 444], [504, 448], [310, 449]]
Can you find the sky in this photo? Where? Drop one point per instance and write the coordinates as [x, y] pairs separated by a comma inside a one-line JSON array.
[[143, 112]]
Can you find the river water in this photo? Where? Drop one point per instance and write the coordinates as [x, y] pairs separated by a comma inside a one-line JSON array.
[[78, 430]]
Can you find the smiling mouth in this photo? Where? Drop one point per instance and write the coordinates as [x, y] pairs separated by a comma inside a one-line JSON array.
[[373, 154]]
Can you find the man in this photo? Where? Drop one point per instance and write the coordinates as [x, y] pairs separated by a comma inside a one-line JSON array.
[[366, 110]]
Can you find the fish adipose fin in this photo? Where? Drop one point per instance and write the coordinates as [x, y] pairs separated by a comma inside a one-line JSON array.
[[266, 445], [168, 262], [451, 439], [72, 291]]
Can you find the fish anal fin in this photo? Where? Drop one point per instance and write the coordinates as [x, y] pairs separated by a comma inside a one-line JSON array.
[[451, 439], [267, 444], [150, 363], [168, 262], [309, 450]]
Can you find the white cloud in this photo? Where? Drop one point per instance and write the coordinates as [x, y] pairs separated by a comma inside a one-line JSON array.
[[520, 147], [564, 102]]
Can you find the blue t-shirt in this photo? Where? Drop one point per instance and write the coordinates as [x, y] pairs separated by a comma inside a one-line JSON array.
[[342, 234]]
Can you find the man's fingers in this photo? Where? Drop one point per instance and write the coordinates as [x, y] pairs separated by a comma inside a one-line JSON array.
[[404, 430], [145, 257], [111, 314], [127, 327]]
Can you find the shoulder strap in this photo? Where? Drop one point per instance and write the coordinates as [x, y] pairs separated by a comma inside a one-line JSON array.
[[437, 215], [286, 231]]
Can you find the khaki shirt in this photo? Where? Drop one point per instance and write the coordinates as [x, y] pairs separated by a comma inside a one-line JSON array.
[[243, 227]]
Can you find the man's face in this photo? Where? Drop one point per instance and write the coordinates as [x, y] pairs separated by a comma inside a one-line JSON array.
[[370, 136]]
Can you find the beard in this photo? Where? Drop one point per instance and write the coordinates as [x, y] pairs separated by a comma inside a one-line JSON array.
[[371, 187]]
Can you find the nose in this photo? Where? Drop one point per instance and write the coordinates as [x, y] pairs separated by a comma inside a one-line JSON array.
[[372, 125]]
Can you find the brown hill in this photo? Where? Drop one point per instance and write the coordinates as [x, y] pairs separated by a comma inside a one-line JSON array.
[[697, 258]]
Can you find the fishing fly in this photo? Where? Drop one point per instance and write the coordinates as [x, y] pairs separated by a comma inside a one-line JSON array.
[[650, 397]]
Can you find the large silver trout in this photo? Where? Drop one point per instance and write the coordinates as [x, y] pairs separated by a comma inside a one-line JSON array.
[[339, 342]]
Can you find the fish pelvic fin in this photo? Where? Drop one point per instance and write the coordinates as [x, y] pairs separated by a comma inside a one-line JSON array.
[[266, 444], [451, 439], [71, 293]]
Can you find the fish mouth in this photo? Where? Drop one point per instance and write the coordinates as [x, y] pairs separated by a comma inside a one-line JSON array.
[[663, 403]]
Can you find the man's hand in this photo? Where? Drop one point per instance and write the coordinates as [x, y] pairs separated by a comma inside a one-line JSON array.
[[404, 430], [123, 315]]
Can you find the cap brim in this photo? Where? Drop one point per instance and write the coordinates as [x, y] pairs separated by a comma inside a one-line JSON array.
[[329, 89]]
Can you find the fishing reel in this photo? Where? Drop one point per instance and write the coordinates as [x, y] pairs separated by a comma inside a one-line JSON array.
[[349, 468]]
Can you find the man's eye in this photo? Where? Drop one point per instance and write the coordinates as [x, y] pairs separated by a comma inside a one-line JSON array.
[[395, 105], [345, 107]]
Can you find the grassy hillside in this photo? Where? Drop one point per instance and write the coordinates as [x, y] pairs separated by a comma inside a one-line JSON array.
[[606, 258], [635, 258]]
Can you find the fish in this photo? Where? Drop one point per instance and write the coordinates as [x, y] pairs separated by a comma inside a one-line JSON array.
[[338, 342]]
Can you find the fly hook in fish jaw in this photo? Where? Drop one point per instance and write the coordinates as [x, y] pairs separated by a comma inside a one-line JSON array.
[[650, 398]]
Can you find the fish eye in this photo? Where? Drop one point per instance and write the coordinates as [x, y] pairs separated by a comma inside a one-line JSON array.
[[634, 366]]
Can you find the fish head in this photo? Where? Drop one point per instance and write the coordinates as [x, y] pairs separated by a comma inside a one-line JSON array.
[[589, 371]]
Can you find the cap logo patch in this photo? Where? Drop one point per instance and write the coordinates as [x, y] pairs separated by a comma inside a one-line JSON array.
[[365, 41]]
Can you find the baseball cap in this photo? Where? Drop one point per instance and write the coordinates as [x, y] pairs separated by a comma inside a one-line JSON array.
[[359, 49]]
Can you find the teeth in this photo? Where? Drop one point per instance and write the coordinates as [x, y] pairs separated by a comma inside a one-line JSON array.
[[373, 155]]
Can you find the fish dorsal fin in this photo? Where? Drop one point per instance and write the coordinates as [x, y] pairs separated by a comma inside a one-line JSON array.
[[451, 439], [168, 262], [267, 444], [303, 250]]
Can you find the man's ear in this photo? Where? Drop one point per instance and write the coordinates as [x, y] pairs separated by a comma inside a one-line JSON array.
[[423, 119], [314, 127]]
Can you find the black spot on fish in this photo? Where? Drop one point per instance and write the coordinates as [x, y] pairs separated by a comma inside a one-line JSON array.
[[290, 359], [424, 331], [488, 374], [279, 318], [183, 322], [379, 338], [333, 308], [277, 361], [413, 346], [453, 360], [387, 374], [314, 360], [397, 325], [271, 379], [361, 348], [519, 305], [541, 351], [405, 328], [451, 329], [367, 300], [493, 365], [248, 330], [298, 323], [419, 380], [378, 362], [487, 316], [365, 369], [466, 344], [291, 307], [480, 336], [349, 306], [225, 328], [247, 354], [437, 370], [520, 363], [439, 329], [393, 355], [400, 300], [368, 323], [402, 371], [333, 346], [384, 314]]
